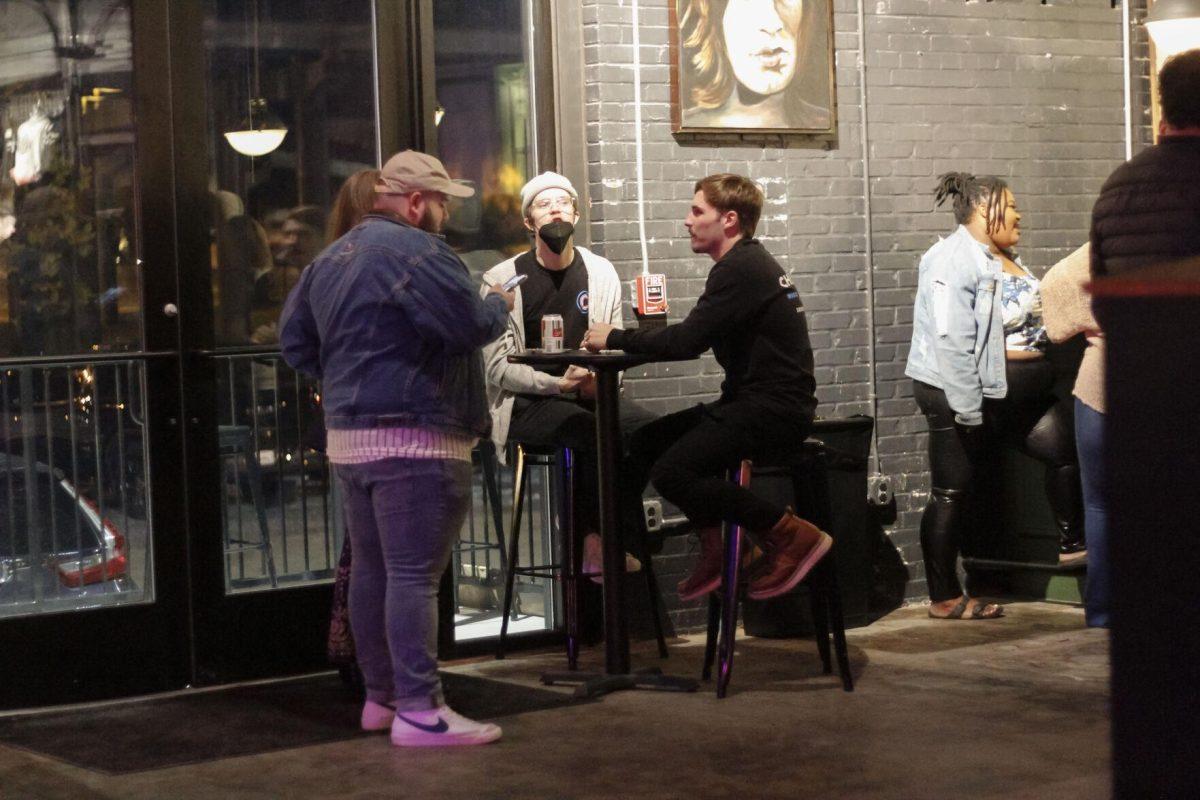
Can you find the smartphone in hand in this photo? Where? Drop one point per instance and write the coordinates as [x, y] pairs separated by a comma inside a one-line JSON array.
[[513, 282]]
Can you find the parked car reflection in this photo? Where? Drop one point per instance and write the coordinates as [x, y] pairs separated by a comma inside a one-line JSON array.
[[53, 540]]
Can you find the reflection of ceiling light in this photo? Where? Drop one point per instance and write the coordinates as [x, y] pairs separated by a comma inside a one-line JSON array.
[[1174, 25], [438, 114], [260, 132]]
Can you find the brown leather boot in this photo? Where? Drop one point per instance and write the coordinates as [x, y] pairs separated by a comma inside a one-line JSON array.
[[793, 547], [706, 577]]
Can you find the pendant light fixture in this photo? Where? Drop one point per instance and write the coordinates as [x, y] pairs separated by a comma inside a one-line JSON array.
[[260, 131], [1174, 25]]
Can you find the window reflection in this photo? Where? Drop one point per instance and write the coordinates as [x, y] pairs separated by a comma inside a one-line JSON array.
[[73, 500], [309, 62], [483, 89], [308, 65], [68, 277]]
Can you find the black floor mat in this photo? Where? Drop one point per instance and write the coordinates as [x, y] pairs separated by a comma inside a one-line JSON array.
[[208, 726]]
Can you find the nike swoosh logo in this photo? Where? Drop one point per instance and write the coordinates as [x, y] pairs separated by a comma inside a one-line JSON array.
[[441, 727]]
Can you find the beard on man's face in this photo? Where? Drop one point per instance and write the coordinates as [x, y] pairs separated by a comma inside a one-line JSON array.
[[429, 223]]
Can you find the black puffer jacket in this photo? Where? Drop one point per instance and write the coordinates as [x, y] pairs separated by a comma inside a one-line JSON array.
[[1149, 209]]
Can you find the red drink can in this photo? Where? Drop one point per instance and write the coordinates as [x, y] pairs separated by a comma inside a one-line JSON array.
[[552, 333]]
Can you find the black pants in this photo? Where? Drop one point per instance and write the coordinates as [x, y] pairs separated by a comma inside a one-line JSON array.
[[1034, 420], [685, 455], [559, 422]]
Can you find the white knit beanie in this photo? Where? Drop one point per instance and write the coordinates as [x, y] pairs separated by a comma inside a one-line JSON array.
[[547, 180]]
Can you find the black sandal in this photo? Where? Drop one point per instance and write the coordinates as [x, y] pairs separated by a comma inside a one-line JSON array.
[[954, 613], [978, 610]]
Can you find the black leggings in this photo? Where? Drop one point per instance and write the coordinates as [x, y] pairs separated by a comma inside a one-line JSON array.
[[1029, 416]]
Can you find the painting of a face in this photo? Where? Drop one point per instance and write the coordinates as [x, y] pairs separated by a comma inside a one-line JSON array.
[[753, 65], [760, 44]]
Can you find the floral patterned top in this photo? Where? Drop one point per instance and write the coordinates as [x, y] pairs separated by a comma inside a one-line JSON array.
[[1021, 302]]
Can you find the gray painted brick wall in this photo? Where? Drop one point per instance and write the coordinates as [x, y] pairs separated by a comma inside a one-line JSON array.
[[1027, 91]]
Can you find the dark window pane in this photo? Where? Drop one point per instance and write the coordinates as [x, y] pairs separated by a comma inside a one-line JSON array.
[[306, 68], [483, 136], [69, 280], [303, 68], [73, 499]]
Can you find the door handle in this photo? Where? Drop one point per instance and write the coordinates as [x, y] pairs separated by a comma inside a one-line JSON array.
[[171, 310]]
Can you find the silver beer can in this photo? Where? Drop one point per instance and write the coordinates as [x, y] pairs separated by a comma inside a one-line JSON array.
[[552, 333]]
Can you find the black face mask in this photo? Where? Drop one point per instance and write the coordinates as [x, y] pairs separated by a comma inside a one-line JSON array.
[[555, 234]]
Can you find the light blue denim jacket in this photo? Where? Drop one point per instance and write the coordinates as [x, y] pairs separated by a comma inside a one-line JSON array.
[[958, 327]]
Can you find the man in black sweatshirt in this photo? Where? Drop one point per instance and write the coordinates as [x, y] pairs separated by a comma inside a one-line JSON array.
[[751, 316]]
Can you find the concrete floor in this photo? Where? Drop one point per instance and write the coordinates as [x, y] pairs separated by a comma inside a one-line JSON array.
[[1016, 708]]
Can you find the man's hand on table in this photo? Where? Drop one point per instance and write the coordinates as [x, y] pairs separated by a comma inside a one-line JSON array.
[[596, 338]]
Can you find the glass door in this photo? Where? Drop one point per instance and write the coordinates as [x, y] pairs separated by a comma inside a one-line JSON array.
[[91, 589], [268, 533], [268, 536], [167, 517], [486, 68], [289, 114]]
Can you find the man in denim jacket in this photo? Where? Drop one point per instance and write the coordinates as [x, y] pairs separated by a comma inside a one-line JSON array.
[[390, 321]]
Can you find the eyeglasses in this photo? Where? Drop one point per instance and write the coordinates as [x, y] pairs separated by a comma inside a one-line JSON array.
[[549, 203]]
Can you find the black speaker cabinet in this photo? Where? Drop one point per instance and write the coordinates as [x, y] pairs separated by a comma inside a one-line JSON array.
[[848, 446]]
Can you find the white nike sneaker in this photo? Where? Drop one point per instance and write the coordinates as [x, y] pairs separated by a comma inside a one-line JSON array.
[[376, 716], [440, 727]]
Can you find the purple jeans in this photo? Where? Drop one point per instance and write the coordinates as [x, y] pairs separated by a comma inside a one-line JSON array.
[[403, 517]]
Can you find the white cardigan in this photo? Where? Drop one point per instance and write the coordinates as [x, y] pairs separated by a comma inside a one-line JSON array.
[[505, 380]]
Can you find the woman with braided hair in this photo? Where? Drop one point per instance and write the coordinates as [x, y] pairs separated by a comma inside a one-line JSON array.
[[755, 64], [980, 376]]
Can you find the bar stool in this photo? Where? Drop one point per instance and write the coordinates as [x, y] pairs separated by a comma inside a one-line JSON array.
[[237, 441], [561, 463], [810, 487]]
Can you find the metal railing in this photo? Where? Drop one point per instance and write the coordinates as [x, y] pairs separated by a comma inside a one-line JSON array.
[[73, 484], [281, 516], [276, 484], [75, 509]]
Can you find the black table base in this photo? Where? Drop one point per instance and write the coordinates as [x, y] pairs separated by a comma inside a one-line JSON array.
[[595, 684], [617, 674]]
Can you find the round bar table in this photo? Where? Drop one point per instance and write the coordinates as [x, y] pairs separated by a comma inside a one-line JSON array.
[[607, 365]]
